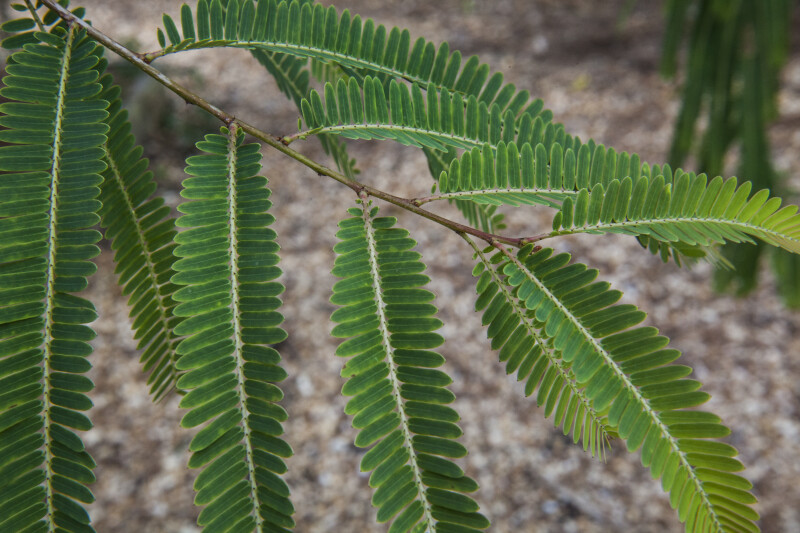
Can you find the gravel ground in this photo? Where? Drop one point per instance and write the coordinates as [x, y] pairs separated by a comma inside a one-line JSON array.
[[601, 80]]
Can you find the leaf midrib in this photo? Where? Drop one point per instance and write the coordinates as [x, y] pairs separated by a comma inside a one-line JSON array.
[[497, 190], [450, 139], [233, 258], [314, 52], [50, 275], [383, 324]]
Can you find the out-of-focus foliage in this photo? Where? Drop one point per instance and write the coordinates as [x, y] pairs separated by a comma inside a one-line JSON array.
[[730, 74]]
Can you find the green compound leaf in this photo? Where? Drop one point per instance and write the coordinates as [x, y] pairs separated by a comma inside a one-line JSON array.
[[228, 261], [625, 372], [691, 211], [546, 168], [305, 29], [543, 166], [597, 190], [55, 129], [141, 233], [526, 348], [411, 117], [398, 396]]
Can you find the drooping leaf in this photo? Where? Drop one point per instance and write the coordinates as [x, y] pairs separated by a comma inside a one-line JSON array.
[[228, 296], [527, 349], [625, 371], [398, 396], [141, 233], [55, 129]]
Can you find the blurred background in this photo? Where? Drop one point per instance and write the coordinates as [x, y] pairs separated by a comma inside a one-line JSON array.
[[597, 67]]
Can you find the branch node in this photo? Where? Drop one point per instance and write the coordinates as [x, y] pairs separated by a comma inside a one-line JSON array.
[[535, 238], [149, 57]]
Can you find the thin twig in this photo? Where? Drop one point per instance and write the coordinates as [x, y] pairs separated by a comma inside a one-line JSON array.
[[35, 15], [278, 143]]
